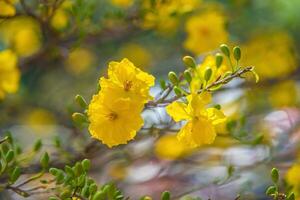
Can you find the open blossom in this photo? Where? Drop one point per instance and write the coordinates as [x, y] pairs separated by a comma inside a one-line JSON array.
[[115, 112], [292, 178], [9, 73], [7, 8], [201, 121], [127, 81], [113, 121], [205, 32]]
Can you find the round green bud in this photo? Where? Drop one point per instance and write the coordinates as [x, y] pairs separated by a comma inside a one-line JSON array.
[[225, 50], [9, 156], [54, 171], [37, 145], [274, 175], [81, 101], [163, 84], [45, 160], [189, 62], [271, 190], [208, 73], [177, 91], [15, 174], [219, 60], [237, 53], [86, 164], [79, 118], [187, 75], [92, 188], [173, 78], [100, 195]]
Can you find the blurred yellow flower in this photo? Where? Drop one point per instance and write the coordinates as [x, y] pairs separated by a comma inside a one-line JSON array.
[[284, 94], [80, 60], [60, 19], [163, 15], [271, 54], [170, 148], [198, 74], [205, 32], [21, 34], [201, 121], [137, 54], [113, 121], [9, 73], [293, 177], [122, 3], [7, 8], [127, 81]]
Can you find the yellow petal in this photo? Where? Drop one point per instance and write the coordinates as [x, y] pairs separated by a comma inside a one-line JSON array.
[[178, 111], [216, 116]]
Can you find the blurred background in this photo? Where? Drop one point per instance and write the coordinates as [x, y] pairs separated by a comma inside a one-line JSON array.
[[58, 49]]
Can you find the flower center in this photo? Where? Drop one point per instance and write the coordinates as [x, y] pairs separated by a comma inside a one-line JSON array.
[[204, 31], [127, 85], [112, 116]]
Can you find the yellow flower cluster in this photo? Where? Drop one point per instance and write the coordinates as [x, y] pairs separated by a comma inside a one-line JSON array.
[[9, 73], [115, 112], [293, 177], [271, 54], [61, 17], [205, 32], [200, 128], [7, 8], [163, 15], [122, 3]]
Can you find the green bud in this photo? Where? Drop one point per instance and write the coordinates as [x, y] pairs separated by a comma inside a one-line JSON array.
[[65, 194], [92, 188], [79, 118], [173, 78], [187, 75], [69, 171], [78, 169], [291, 196], [37, 145], [44, 160], [219, 60], [163, 84], [81, 101], [165, 195], [57, 142], [274, 175], [237, 53], [217, 106], [207, 74], [59, 177], [9, 156], [85, 191], [189, 62], [271, 190], [86, 164], [81, 180], [100, 195], [54, 171], [177, 91], [225, 50], [15, 174]]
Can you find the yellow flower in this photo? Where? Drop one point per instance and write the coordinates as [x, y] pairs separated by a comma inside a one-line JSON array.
[[60, 19], [201, 121], [164, 15], [293, 177], [122, 3], [7, 8], [205, 32], [80, 60], [284, 94], [127, 81], [170, 148], [9, 73], [21, 34], [137, 54], [271, 54], [198, 74], [113, 121]]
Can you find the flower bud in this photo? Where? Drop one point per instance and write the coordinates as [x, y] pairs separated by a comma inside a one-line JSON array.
[[187, 75], [237, 53], [93, 188], [165, 195], [219, 60], [274, 175], [45, 160], [173, 78], [37, 145], [100, 195], [79, 118], [9, 156], [177, 91], [225, 50], [271, 190], [15, 174], [189, 62], [207, 74], [163, 84], [86, 164]]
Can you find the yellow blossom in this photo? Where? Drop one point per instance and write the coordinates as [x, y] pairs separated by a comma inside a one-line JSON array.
[[9, 73], [7, 8], [293, 177], [21, 34], [60, 19], [137, 54], [201, 121], [170, 148], [122, 3], [127, 81], [205, 32], [113, 121], [163, 15], [80, 60], [271, 54]]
